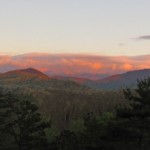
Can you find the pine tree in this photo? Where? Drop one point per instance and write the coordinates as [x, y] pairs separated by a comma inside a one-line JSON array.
[[138, 114], [6, 114], [21, 124]]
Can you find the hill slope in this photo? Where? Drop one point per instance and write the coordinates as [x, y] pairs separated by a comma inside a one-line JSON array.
[[32, 78], [128, 79], [24, 74]]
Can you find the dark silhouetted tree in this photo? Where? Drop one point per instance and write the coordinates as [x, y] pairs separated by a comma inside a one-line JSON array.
[[21, 125], [138, 115], [95, 135], [67, 141]]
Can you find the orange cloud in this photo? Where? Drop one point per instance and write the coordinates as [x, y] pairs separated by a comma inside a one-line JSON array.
[[127, 66], [114, 66], [43, 69], [5, 60], [97, 66], [75, 64]]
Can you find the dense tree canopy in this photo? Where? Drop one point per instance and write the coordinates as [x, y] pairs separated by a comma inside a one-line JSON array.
[[21, 125], [103, 128]]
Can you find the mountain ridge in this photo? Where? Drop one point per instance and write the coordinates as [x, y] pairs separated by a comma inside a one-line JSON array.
[[25, 73], [118, 81]]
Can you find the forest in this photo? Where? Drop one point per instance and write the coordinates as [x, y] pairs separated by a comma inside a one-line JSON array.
[[75, 117]]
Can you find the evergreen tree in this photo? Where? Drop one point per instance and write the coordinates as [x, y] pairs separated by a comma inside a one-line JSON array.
[[7, 102], [67, 141], [138, 115], [95, 136], [21, 124]]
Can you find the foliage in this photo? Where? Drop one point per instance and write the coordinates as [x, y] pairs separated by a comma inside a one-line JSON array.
[[81, 120], [21, 124], [138, 114]]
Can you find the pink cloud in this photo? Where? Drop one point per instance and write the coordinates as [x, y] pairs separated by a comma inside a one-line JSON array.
[[76, 64]]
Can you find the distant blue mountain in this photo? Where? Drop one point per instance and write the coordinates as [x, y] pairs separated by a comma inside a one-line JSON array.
[[119, 81]]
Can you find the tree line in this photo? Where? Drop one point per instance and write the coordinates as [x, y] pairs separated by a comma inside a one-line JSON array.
[[23, 127]]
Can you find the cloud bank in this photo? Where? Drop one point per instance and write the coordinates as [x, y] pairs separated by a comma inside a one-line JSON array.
[[74, 65]]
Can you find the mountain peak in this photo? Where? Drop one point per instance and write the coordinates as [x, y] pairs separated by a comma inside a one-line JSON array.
[[26, 73], [31, 71]]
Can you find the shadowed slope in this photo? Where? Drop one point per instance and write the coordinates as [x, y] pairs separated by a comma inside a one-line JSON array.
[[128, 79]]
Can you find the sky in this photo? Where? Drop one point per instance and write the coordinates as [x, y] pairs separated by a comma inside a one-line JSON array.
[[99, 27]]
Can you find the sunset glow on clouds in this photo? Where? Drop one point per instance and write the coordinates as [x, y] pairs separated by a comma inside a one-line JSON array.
[[74, 65]]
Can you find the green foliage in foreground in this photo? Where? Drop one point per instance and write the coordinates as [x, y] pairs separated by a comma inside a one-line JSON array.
[[127, 128], [21, 125]]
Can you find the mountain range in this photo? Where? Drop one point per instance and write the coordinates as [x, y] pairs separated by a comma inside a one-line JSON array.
[[31, 76], [119, 81], [94, 67]]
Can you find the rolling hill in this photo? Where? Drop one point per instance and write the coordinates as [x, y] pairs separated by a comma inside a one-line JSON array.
[[24, 74], [128, 79], [31, 78]]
